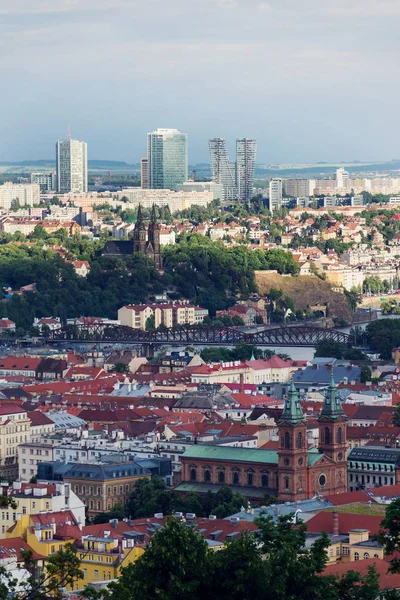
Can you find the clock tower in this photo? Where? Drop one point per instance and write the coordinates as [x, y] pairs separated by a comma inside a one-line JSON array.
[[292, 453]]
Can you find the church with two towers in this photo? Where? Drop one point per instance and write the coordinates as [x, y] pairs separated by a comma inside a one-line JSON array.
[[292, 472], [145, 240]]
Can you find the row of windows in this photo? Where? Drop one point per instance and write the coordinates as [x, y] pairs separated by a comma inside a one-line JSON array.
[[371, 467], [371, 479], [97, 491], [236, 477], [38, 451], [106, 575]]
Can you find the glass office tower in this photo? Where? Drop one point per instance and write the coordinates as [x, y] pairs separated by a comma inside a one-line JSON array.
[[167, 154]]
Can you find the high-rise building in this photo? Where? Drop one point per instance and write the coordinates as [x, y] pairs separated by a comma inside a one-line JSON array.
[[167, 154], [298, 188], [342, 178], [222, 169], [46, 181], [246, 150], [275, 194], [144, 173], [71, 159]]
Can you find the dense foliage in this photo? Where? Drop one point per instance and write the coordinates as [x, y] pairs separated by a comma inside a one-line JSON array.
[[274, 565], [212, 275], [151, 496], [332, 349], [383, 335], [60, 292], [203, 271]]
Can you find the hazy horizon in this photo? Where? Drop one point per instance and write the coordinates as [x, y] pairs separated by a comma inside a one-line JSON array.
[[311, 80]]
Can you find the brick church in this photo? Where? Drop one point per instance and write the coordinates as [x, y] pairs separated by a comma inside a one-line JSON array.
[[145, 240], [293, 472]]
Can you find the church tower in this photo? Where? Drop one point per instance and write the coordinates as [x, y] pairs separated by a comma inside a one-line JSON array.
[[139, 233], [292, 453], [332, 426], [153, 249]]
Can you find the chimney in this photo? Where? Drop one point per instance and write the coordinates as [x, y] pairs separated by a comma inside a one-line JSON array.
[[335, 529], [241, 384]]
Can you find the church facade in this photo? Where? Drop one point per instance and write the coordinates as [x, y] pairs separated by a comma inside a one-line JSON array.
[[293, 472], [145, 240]]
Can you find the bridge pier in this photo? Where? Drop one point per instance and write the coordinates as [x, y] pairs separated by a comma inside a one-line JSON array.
[[148, 350]]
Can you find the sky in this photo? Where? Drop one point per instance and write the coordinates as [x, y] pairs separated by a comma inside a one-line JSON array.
[[311, 80]]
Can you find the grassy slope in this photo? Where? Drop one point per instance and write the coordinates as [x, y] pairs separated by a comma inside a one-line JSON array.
[[306, 290]]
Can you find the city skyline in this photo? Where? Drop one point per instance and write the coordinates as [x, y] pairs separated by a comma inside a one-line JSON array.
[[309, 80]]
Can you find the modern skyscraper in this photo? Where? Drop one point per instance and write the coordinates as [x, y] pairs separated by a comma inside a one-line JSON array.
[[246, 150], [144, 173], [72, 172], [222, 169], [167, 154], [275, 194]]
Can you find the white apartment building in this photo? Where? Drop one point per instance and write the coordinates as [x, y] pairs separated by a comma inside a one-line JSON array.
[[25, 194], [72, 168], [217, 189], [176, 201], [275, 194]]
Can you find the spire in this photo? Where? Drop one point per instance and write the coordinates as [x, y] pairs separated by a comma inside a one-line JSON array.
[[332, 408], [292, 411], [139, 217], [153, 218]]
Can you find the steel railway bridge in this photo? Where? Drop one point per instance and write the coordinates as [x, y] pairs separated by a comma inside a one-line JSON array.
[[196, 335]]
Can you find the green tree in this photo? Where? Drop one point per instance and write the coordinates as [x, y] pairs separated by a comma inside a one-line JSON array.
[[396, 416], [366, 374], [62, 570], [120, 367], [175, 566], [150, 323]]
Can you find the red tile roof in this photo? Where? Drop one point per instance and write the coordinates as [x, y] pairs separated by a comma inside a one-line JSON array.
[[323, 521], [19, 363], [349, 498], [386, 580], [38, 418]]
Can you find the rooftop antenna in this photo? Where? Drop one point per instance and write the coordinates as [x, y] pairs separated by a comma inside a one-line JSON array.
[[69, 133]]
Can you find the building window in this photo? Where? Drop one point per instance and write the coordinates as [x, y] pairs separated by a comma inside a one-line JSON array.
[[235, 478], [366, 556], [356, 556], [286, 482], [264, 480], [345, 550], [339, 435], [193, 474], [326, 435], [96, 574], [299, 440], [207, 476], [84, 573], [286, 440], [250, 479], [221, 477]]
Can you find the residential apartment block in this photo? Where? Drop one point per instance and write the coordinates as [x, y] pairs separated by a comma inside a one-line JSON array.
[[169, 315], [22, 194]]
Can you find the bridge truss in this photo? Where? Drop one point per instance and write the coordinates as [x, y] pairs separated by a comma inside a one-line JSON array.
[[196, 335]]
